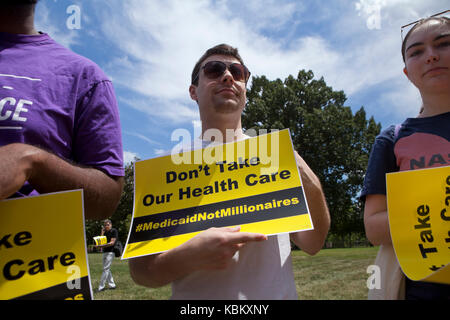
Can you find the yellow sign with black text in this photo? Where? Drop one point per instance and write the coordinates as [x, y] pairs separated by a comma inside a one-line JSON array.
[[419, 219], [254, 183], [42, 248], [100, 240]]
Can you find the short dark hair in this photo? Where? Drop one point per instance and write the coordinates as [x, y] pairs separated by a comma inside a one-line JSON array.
[[443, 20], [221, 49]]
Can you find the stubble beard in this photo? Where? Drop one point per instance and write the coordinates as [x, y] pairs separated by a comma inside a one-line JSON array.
[[228, 106]]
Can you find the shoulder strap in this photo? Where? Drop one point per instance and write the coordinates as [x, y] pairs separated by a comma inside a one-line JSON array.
[[396, 130]]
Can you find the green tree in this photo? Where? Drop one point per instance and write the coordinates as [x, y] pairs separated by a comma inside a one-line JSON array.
[[121, 218], [333, 141]]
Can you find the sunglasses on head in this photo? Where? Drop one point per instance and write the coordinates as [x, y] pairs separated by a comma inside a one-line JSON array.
[[407, 27], [215, 69]]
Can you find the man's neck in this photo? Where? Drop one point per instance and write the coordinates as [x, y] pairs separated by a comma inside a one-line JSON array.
[[17, 19], [222, 131]]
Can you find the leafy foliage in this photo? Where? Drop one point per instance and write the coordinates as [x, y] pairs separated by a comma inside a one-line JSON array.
[[121, 218], [333, 141]]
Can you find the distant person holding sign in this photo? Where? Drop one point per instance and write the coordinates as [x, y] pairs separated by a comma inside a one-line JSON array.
[[225, 263], [59, 121], [422, 142], [112, 236]]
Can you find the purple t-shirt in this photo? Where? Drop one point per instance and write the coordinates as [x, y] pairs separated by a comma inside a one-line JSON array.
[[59, 101]]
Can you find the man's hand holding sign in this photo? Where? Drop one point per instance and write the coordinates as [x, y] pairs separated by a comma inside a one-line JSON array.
[[248, 191], [212, 249], [234, 202], [227, 226]]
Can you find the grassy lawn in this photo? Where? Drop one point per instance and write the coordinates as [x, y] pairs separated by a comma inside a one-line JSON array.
[[332, 274], [126, 288]]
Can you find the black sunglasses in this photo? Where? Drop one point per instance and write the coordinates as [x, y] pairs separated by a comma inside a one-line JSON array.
[[215, 69]]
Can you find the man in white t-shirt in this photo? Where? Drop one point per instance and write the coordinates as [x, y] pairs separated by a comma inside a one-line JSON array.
[[224, 263]]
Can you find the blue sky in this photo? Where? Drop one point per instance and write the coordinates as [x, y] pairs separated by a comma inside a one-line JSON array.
[[149, 47]]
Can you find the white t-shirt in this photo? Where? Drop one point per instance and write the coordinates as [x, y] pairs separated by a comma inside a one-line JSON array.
[[259, 271]]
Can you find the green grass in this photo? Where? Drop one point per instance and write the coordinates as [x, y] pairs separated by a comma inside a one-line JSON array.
[[126, 288], [332, 274]]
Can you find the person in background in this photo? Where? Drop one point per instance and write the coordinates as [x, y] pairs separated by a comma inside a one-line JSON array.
[[112, 236]]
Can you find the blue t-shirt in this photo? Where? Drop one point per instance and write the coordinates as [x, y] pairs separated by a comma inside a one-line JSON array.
[[417, 143]]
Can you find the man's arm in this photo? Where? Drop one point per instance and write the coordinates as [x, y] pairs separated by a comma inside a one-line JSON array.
[[109, 244], [312, 241], [211, 249], [49, 173]]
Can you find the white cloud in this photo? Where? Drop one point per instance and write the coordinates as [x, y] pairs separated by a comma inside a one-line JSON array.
[[168, 109], [162, 41], [44, 23], [129, 157], [160, 152], [268, 15], [141, 136]]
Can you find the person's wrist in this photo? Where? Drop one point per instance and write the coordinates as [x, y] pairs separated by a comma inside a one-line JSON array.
[[25, 156], [182, 255], [32, 158]]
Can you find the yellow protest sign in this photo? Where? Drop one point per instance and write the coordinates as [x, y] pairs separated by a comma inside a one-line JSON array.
[[419, 219], [100, 240], [43, 249], [254, 183]]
